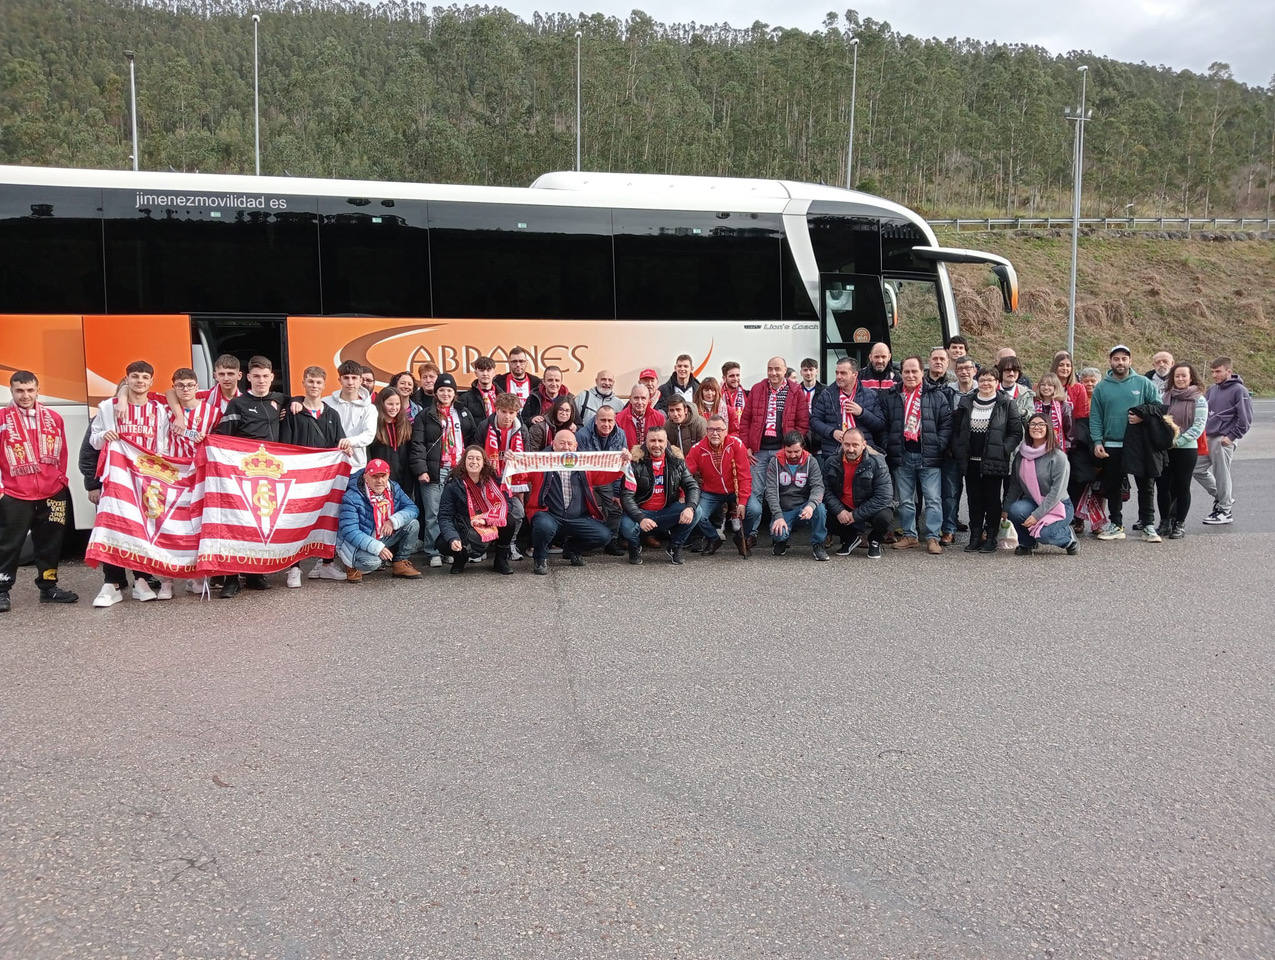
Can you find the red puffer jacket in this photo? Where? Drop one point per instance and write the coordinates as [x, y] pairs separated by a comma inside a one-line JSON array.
[[753, 422]]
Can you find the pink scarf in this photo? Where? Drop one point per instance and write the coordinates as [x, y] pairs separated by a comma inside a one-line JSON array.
[[1027, 475]]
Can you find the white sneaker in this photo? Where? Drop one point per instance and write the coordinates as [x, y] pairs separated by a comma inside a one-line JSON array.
[[108, 596], [1219, 516], [165, 590], [515, 553], [196, 587], [142, 591], [435, 561], [1111, 532], [294, 578], [327, 571], [1149, 535]]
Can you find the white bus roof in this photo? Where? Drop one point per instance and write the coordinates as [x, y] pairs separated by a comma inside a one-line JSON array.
[[562, 188]]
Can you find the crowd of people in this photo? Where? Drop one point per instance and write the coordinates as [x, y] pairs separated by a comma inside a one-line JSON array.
[[878, 457]]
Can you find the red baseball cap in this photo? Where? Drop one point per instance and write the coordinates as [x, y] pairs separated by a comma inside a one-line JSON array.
[[375, 467], [650, 373]]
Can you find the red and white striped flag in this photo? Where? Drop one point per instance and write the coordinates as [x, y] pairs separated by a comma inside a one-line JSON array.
[[146, 519], [266, 505]]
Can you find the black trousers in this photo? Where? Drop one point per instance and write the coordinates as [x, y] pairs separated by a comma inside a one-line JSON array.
[[984, 496], [873, 528], [46, 520], [1173, 487], [473, 546], [1113, 473]]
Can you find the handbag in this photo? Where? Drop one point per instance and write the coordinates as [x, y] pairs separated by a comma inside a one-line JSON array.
[[1006, 536], [1202, 447]]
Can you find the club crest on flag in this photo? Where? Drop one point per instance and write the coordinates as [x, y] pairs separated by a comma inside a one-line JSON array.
[[265, 490], [155, 483]]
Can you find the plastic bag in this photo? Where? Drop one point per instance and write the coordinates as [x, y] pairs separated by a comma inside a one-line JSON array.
[[1006, 536]]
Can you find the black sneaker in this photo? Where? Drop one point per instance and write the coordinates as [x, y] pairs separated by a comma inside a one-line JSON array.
[[635, 553], [256, 581], [540, 568], [1164, 528], [56, 594], [988, 546], [962, 527], [1021, 551], [713, 546], [973, 545], [230, 588], [613, 549], [849, 546], [1073, 548], [781, 547], [1177, 532], [819, 552], [674, 552], [874, 551], [5, 605], [577, 560], [1137, 526]]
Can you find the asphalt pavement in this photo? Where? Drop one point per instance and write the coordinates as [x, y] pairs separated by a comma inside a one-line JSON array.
[[956, 756]]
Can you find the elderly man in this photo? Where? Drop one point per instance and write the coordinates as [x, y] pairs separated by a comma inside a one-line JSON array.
[[377, 524], [857, 494], [638, 418], [562, 501], [602, 433], [720, 463], [655, 505], [602, 393], [1161, 364]]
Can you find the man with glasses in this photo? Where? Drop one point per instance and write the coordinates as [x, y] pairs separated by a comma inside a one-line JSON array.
[[720, 463], [518, 381]]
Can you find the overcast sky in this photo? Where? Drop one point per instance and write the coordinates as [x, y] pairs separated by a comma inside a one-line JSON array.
[[1183, 34]]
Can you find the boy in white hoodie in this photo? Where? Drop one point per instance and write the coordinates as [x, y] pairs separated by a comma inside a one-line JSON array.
[[357, 412]]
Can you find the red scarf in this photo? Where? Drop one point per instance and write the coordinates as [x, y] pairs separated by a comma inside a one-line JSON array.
[[734, 406], [382, 509], [487, 503], [1055, 418], [499, 442], [912, 414], [30, 451], [489, 399]]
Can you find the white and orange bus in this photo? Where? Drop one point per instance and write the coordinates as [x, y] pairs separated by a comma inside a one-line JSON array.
[[587, 271]]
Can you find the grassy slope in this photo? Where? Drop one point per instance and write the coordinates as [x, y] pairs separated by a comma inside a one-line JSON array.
[[1196, 298]]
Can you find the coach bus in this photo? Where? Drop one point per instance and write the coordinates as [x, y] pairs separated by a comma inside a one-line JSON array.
[[587, 271]]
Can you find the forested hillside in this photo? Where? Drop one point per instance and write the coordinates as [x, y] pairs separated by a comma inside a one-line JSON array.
[[402, 91]]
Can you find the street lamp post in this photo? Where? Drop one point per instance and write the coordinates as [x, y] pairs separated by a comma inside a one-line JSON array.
[[132, 98], [1080, 116], [854, 80], [256, 99], [578, 36]]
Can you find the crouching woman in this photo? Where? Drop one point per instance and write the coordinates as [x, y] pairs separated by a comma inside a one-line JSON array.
[[1036, 492], [473, 514]]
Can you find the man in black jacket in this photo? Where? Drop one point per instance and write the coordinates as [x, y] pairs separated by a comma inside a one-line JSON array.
[[682, 382], [655, 506], [310, 422], [857, 493], [918, 431], [481, 396]]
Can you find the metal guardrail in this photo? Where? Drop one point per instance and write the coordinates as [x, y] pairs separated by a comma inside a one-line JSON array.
[[1110, 223]]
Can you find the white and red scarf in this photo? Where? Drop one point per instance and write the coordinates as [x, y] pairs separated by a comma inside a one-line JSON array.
[[912, 414], [847, 418], [499, 442], [382, 508], [489, 399], [35, 441], [487, 504], [452, 438], [772, 408], [1056, 419], [734, 406]]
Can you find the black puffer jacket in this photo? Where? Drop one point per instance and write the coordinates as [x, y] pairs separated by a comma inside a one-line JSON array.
[[1004, 434], [873, 488], [936, 425], [1145, 454], [676, 478], [426, 452]]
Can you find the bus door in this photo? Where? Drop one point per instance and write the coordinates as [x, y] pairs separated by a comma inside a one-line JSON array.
[[244, 336], [856, 314]]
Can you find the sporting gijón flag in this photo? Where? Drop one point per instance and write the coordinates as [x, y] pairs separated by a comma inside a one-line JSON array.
[[264, 506]]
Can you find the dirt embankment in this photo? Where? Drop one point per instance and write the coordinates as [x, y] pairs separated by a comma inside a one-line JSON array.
[[1198, 298]]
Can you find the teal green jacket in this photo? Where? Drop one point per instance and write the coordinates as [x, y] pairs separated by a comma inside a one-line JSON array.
[[1112, 401]]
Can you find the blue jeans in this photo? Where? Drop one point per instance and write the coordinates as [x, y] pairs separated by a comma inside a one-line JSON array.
[[708, 504], [582, 533], [752, 512], [1056, 534], [818, 524], [909, 475], [431, 495], [666, 518], [401, 543], [953, 480]]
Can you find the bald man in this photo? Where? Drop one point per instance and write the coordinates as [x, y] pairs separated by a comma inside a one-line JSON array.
[[775, 407]]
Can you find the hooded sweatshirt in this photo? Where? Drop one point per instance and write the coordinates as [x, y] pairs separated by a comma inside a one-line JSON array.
[[1230, 409], [358, 420], [1113, 398]]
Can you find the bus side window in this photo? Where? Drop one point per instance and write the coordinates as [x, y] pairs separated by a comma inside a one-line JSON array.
[[51, 250]]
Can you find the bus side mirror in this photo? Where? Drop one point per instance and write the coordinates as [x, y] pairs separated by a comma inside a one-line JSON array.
[[1006, 276], [1007, 280]]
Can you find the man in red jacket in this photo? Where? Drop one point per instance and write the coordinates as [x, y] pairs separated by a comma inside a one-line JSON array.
[[639, 416], [33, 491], [772, 409], [720, 463]]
